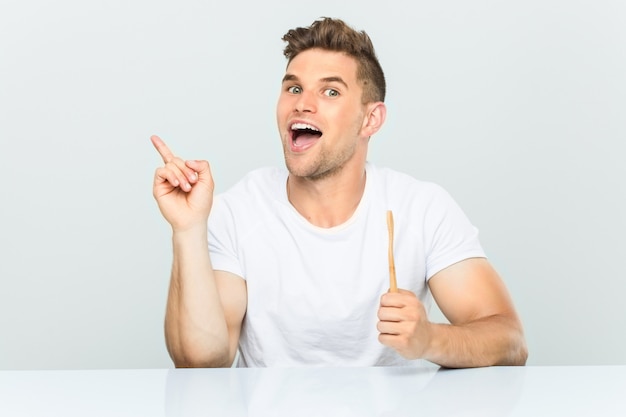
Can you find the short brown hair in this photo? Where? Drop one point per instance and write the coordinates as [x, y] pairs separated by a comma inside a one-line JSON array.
[[336, 35]]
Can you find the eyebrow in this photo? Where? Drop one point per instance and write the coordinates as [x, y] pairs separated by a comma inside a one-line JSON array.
[[292, 77]]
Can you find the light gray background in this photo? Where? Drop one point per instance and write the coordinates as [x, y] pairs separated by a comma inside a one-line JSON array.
[[517, 108]]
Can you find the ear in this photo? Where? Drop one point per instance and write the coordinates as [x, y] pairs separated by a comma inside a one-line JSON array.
[[376, 113]]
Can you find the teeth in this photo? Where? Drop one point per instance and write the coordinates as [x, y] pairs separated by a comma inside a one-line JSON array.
[[300, 126]]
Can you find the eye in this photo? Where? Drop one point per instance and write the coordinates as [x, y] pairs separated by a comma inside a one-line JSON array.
[[294, 89], [330, 92]]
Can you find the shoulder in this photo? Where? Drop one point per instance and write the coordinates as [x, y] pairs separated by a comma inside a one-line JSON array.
[[260, 177], [251, 201], [400, 186], [266, 183]]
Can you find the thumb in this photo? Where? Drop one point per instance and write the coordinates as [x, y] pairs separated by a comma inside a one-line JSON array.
[[203, 170]]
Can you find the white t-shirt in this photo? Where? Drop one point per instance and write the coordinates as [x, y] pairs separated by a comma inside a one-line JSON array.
[[313, 293]]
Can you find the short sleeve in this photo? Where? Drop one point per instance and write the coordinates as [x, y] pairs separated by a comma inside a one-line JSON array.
[[450, 237], [222, 235]]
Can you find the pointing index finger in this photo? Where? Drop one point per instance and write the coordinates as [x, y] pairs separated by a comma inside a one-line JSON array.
[[162, 148]]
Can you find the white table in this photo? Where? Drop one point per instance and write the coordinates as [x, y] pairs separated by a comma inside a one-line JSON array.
[[498, 391]]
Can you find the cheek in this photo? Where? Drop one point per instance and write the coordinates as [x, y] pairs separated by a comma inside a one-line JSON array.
[[350, 122], [281, 113], [349, 115], [285, 102], [280, 105]]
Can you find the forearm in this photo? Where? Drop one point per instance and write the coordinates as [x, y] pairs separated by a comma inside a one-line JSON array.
[[195, 326], [493, 340]]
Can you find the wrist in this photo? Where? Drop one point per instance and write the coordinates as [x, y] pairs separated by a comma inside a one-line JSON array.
[[435, 338], [190, 232]]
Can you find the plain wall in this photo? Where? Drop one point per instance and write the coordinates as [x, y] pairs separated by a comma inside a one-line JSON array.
[[516, 108]]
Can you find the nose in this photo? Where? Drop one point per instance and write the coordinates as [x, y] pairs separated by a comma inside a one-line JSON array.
[[305, 103]]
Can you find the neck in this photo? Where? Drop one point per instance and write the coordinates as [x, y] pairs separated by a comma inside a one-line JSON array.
[[327, 202]]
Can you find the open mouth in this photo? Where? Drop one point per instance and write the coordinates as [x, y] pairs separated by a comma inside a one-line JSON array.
[[304, 135]]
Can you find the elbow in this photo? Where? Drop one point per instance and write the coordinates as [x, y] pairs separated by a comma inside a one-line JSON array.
[[518, 348], [200, 363], [522, 355], [192, 355], [517, 352], [521, 348], [201, 359]]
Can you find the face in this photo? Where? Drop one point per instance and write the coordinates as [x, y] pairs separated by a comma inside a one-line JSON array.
[[320, 116]]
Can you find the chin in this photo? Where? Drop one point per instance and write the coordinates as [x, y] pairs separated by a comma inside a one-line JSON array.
[[313, 173]]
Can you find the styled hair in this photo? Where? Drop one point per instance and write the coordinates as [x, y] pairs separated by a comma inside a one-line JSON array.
[[335, 35]]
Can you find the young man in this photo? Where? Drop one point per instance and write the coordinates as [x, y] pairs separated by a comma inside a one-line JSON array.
[[296, 269]]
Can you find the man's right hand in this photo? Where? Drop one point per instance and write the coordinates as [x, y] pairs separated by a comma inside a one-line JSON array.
[[182, 189]]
